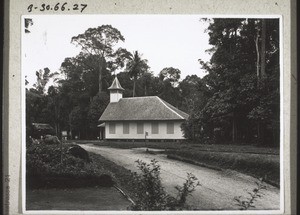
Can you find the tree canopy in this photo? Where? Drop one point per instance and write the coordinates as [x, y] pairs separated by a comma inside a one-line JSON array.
[[243, 86]]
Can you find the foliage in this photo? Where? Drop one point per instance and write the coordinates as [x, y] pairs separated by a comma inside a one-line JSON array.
[[149, 190], [151, 195], [77, 118], [241, 90], [171, 74], [136, 67], [43, 77], [43, 164], [98, 44], [97, 107], [248, 203], [188, 187]]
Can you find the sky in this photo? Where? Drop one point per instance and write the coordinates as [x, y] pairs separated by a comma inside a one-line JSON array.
[[164, 40]]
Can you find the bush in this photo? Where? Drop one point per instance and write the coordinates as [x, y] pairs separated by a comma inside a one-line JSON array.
[[151, 195], [45, 168], [248, 203], [188, 187]]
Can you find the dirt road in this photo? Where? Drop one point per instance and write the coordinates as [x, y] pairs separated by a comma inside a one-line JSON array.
[[217, 190]]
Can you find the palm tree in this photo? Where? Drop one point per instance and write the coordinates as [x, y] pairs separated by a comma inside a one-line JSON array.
[[136, 66]]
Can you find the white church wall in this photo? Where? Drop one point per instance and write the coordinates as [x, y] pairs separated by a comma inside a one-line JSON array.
[[162, 134]]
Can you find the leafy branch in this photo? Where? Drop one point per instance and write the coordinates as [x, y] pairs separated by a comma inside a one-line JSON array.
[[247, 203]]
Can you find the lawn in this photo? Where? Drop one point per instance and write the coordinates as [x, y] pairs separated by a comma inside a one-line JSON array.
[[90, 198]]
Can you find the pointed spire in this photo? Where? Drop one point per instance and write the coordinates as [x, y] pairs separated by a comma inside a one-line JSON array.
[[116, 85]]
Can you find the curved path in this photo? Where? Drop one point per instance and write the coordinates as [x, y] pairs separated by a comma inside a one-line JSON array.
[[217, 190]]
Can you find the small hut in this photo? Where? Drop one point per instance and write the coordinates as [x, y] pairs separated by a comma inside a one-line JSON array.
[[41, 129]]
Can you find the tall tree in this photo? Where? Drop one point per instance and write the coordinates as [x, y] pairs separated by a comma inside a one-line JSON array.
[[100, 42], [236, 104], [171, 74], [146, 82], [136, 67], [168, 81], [43, 77]]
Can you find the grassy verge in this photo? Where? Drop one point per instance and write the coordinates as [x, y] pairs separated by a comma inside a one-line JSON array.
[[261, 166], [234, 148]]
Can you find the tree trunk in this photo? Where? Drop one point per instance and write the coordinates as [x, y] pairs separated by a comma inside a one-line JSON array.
[[101, 68], [59, 131], [100, 78], [257, 57], [258, 131], [145, 89], [263, 49], [133, 92], [56, 129], [233, 130]]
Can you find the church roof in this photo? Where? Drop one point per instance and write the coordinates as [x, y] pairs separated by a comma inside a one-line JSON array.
[[142, 108], [116, 85]]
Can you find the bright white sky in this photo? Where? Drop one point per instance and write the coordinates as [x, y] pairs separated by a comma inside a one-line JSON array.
[[164, 40]]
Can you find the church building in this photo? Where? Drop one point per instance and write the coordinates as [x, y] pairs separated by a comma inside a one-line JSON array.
[[135, 118]]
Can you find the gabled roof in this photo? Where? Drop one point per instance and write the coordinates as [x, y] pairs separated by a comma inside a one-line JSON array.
[[115, 85], [141, 108]]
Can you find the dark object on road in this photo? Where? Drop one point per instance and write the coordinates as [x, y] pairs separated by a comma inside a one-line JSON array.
[[51, 140], [79, 152]]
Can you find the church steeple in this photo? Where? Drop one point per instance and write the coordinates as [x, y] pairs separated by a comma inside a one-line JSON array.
[[116, 90]]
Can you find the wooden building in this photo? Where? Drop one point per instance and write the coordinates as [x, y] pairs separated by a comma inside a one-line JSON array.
[[133, 118]]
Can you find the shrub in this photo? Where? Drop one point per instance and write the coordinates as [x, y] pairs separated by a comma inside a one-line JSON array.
[[188, 187], [247, 203], [45, 168], [151, 195]]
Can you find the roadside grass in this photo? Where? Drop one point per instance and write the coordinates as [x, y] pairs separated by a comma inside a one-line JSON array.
[[262, 166], [234, 148]]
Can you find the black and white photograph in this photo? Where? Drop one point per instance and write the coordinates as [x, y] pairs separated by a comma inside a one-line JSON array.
[[152, 113]]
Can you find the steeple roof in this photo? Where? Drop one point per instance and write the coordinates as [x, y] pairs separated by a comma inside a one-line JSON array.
[[116, 85]]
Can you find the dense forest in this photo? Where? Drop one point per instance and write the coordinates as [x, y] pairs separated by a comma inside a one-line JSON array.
[[236, 101]]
